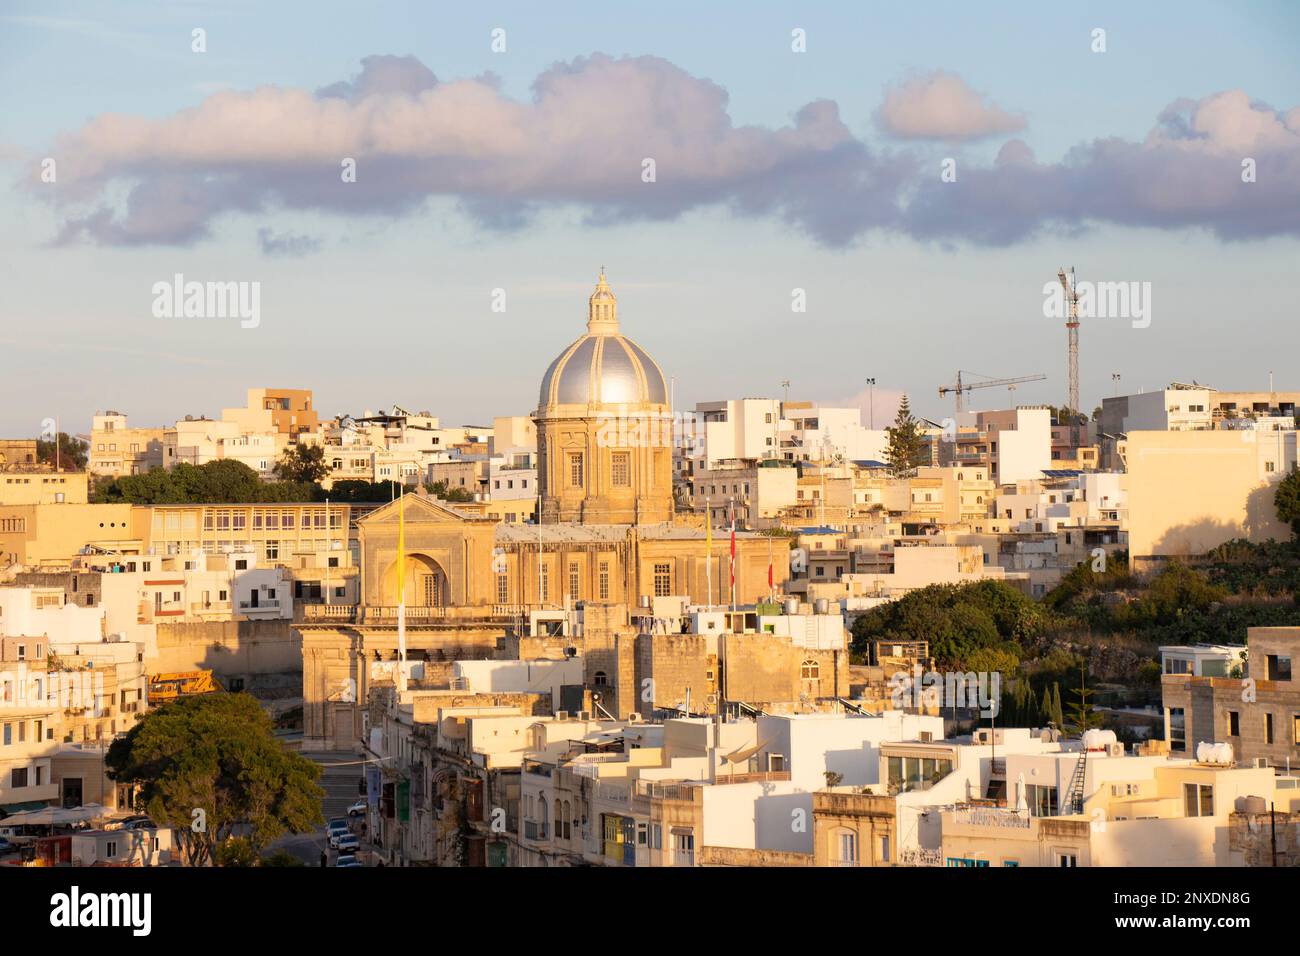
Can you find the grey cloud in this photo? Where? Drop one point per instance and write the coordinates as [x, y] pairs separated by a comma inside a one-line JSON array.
[[580, 141]]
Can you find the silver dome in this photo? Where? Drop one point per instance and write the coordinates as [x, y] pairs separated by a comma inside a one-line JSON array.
[[603, 370], [604, 367]]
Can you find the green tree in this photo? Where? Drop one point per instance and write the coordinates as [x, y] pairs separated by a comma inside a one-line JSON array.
[[1287, 501], [1083, 716], [211, 768], [215, 482], [906, 450], [440, 489], [73, 452], [302, 463], [1058, 717], [355, 491]]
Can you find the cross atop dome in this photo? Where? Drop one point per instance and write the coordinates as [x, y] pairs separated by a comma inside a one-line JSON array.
[[602, 309]]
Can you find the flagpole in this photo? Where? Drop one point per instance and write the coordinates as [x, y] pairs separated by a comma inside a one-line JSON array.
[[708, 558], [327, 551], [733, 556], [401, 600]]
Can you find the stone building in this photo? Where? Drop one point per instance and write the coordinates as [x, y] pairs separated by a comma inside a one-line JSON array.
[[1257, 713], [604, 428]]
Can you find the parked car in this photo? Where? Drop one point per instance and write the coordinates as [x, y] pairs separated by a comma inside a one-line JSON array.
[[358, 808], [138, 823], [348, 843], [7, 847], [346, 860], [336, 829]]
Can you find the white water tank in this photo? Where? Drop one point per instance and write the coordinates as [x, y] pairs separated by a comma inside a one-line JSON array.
[[1098, 739], [1207, 752]]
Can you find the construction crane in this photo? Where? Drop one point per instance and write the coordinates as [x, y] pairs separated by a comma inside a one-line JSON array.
[[961, 386], [1071, 288]]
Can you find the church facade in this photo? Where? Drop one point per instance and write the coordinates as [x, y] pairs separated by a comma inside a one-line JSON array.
[[606, 540]]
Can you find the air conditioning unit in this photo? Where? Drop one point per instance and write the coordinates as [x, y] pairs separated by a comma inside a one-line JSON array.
[[562, 715], [634, 718], [584, 715], [1260, 762]]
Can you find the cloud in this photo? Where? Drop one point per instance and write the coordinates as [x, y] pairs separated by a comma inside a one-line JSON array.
[[1187, 173], [582, 138], [940, 105]]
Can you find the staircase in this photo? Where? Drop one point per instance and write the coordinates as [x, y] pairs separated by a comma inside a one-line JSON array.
[[1074, 796]]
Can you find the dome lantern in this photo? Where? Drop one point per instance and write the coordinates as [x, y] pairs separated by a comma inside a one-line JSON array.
[[602, 309]]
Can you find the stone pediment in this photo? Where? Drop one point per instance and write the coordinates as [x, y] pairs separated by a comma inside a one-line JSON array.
[[420, 509]]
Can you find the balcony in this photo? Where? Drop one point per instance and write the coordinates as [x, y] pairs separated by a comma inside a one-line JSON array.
[[985, 816]]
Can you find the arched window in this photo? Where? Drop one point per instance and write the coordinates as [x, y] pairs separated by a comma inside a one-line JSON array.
[[567, 820], [544, 814], [810, 670], [602, 679]]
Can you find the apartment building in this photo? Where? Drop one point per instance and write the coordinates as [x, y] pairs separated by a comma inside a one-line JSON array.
[[18, 454], [1246, 697], [286, 412], [45, 488], [1065, 499], [755, 492], [1010, 444], [1128, 811], [117, 449], [1192, 490]]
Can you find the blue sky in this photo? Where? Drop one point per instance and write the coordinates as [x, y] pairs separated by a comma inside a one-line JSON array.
[[393, 304]]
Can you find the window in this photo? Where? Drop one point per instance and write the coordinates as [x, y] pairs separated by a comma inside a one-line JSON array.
[[620, 469], [884, 849], [604, 581], [1177, 729], [110, 849], [1042, 800], [503, 588], [575, 470], [272, 550], [1067, 859], [1278, 667], [1198, 800], [663, 580], [546, 582], [847, 845], [810, 670], [18, 777], [600, 679], [1234, 724], [1268, 728]]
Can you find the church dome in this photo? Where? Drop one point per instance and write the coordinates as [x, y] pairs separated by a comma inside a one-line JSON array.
[[603, 367]]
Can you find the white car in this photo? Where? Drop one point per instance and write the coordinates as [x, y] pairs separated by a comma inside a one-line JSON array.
[[348, 843], [347, 860], [336, 830], [358, 808]]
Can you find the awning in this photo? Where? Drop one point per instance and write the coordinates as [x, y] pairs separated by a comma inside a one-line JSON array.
[[56, 816], [12, 808], [746, 753]]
